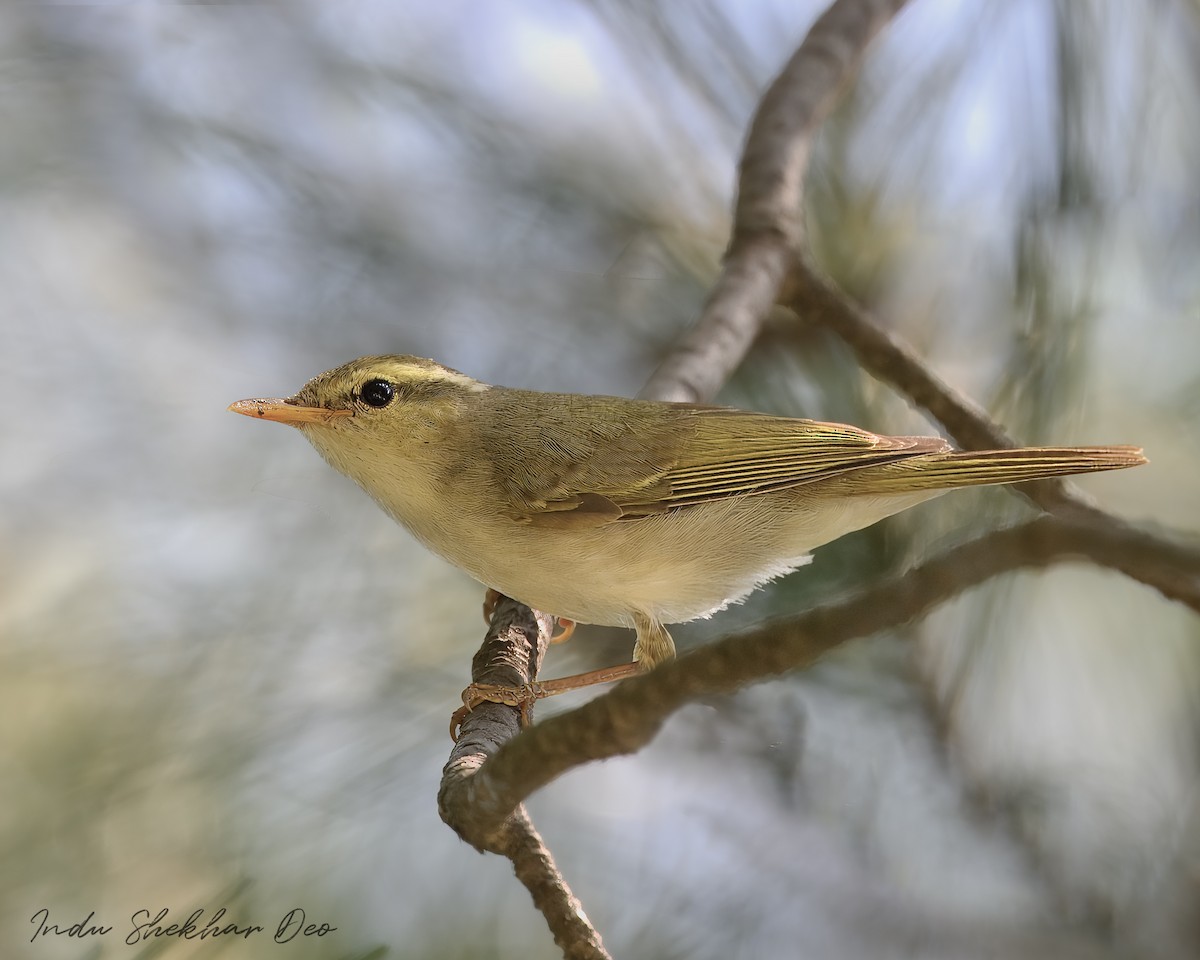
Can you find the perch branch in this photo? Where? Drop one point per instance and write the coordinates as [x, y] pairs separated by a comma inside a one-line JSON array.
[[511, 655]]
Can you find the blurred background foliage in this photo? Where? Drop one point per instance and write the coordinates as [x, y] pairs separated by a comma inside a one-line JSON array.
[[225, 677]]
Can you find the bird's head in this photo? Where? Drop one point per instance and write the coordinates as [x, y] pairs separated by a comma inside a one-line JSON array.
[[369, 413]]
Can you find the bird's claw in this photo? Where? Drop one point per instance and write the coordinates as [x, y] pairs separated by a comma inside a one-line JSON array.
[[526, 695], [522, 697], [568, 628]]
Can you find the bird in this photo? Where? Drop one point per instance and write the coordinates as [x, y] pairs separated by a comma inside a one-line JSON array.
[[624, 512]]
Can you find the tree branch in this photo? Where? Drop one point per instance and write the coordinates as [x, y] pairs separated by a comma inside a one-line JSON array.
[[1158, 559], [511, 655], [768, 227]]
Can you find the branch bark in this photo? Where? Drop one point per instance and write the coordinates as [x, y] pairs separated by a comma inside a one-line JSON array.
[[511, 655], [768, 223]]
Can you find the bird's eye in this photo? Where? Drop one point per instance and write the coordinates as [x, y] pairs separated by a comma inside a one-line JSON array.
[[377, 393]]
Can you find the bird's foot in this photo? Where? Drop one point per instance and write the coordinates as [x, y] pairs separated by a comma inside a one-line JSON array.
[[568, 628], [524, 697]]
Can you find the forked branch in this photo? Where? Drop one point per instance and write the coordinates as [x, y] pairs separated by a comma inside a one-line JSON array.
[[490, 773], [511, 655], [768, 225]]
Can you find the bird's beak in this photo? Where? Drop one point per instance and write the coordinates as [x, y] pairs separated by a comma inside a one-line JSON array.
[[286, 411]]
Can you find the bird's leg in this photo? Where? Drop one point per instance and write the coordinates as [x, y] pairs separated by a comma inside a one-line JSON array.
[[654, 646], [526, 696]]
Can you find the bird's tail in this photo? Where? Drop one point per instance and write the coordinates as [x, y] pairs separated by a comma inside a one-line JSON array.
[[965, 468]]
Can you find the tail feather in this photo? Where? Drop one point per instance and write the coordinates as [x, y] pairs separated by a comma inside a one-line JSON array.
[[965, 468]]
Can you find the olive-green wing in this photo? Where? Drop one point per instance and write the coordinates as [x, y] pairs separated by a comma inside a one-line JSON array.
[[655, 458]]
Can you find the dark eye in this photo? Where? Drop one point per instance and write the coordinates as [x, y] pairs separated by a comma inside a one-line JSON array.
[[377, 393]]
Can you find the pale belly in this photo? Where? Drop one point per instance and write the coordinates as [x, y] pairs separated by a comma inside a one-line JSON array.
[[672, 568]]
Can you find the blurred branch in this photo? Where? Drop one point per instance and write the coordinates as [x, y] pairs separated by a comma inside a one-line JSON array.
[[894, 362], [1159, 560], [626, 718], [511, 655], [768, 227]]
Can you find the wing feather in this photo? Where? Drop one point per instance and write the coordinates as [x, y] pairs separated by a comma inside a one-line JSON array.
[[655, 458]]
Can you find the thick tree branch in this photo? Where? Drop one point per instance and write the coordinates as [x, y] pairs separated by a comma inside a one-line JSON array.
[[768, 227], [511, 655]]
